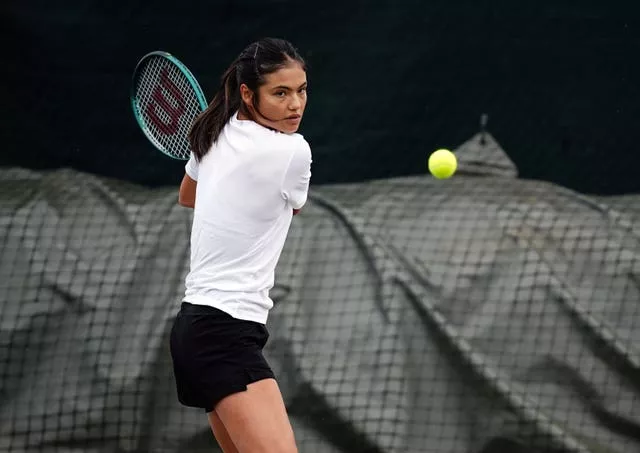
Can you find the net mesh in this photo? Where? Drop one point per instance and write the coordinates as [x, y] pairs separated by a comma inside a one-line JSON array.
[[166, 104], [480, 314]]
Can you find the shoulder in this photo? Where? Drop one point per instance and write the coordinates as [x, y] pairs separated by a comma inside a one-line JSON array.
[[278, 147], [296, 144], [250, 133]]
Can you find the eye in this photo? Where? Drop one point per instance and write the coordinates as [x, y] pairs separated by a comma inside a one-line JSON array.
[[280, 94], [303, 90]]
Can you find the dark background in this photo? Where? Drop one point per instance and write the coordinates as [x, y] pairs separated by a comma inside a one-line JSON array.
[[390, 81]]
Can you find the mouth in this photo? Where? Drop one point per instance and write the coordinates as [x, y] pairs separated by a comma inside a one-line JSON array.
[[293, 120]]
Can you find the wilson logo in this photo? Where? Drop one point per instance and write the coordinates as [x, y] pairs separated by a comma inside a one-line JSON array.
[[173, 110]]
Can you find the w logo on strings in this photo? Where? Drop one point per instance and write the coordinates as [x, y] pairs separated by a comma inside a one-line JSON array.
[[173, 110]]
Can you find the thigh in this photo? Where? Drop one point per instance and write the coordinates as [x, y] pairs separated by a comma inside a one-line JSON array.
[[221, 434], [257, 420]]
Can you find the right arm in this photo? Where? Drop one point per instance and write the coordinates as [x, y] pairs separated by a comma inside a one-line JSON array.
[[187, 193]]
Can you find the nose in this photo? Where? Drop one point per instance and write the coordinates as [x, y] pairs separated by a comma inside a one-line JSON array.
[[296, 103]]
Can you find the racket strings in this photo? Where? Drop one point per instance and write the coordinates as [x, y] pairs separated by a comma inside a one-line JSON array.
[[167, 118]]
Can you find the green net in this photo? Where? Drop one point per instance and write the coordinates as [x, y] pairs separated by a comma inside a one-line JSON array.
[[483, 313]]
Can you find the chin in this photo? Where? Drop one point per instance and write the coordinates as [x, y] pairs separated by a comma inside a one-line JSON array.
[[289, 130]]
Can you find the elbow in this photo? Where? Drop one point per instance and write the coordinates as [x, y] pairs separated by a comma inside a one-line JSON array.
[[299, 202], [299, 205]]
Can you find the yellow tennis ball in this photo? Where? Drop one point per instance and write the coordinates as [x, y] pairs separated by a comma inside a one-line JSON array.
[[442, 164]]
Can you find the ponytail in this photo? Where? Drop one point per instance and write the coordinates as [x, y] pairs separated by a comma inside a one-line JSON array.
[[209, 124]]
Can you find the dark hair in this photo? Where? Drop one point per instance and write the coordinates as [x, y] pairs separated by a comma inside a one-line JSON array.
[[257, 60]]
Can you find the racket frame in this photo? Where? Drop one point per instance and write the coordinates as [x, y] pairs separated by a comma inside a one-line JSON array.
[[132, 95]]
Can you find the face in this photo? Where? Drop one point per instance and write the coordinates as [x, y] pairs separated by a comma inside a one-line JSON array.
[[281, 99]]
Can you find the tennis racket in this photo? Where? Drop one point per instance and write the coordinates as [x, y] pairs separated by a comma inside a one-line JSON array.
[[166, 98]]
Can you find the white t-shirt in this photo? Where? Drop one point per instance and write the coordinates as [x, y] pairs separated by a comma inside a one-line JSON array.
[[248, 185]]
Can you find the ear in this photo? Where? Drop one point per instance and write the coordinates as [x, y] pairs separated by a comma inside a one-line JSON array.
[[246, 94]]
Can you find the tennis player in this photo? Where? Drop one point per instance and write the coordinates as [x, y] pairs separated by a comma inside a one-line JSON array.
[[247, 176]]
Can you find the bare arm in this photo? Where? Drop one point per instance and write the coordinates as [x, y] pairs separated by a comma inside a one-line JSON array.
[[187, 194]]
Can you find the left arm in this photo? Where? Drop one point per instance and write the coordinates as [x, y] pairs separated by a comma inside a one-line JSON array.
[[296, 181]]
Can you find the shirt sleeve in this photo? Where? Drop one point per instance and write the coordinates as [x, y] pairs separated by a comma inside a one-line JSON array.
[[191, 168], [296, 179]]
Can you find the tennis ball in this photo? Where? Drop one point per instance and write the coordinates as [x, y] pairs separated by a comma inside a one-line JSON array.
[[442, 163]]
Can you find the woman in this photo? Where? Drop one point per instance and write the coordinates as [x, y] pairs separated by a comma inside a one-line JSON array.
[[247, 176]]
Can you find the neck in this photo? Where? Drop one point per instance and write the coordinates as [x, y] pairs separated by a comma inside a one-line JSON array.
[[253, 117]]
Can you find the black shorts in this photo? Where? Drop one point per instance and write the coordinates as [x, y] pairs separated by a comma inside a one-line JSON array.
[[215, 355]]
